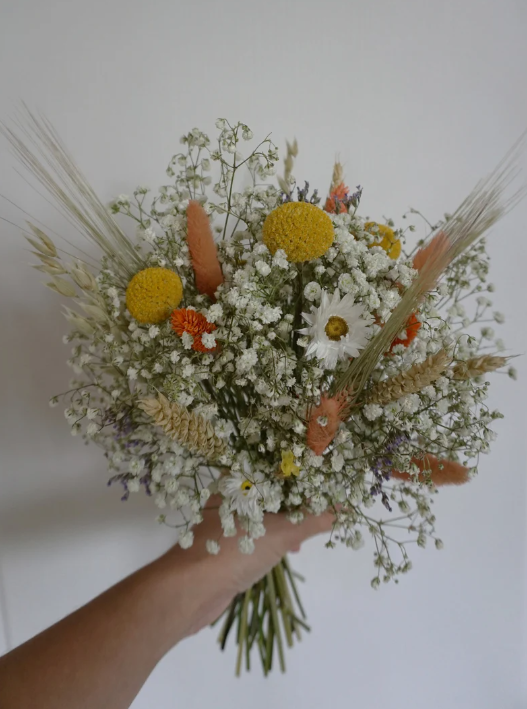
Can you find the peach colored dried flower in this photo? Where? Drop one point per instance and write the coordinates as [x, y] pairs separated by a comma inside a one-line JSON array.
[[339, 193], [324, 421], [440, 471], [203, 250], [437, 249]]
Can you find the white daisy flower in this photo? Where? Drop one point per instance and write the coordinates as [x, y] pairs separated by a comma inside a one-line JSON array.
[[338, 328], [244, 492]]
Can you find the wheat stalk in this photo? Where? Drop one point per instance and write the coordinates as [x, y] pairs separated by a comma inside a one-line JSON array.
[[409, 382], [289, 161], [476, 214], [187, 428], [476, 366], [38, 147], [337, 177]]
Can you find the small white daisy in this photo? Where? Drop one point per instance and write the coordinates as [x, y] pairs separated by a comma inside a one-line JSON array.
[[244, 492], [338, 328]]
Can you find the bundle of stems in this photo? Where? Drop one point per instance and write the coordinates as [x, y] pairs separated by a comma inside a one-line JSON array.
[[266, 618]]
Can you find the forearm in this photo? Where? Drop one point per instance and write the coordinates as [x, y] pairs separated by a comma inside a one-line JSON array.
[[101, 655]]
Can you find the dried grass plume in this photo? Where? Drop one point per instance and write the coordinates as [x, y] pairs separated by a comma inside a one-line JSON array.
[[203, 250], [439, 470], [334, 409]]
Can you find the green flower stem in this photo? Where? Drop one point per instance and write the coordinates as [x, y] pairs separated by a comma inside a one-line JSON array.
[[273, 605], [285, 603], [242, 633], [254, 618]]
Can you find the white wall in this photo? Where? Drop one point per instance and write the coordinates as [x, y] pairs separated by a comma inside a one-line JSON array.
[[420, 98]]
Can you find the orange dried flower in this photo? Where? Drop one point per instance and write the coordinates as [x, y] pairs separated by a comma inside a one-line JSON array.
[[195, 324], [321, 432], [339, 193], [412, 328], [441, 471]]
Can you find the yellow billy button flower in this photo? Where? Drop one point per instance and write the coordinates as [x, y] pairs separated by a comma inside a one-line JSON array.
[[287, 466], [153, 294], [387, 239], [302, 230]]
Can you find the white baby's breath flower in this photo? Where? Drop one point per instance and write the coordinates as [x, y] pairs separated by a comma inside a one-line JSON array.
[[214, 313], [212, 546], [186, 540], [312, 291], [92, 429], [187, 340], [208, 340], [132, 373], [246, 361], [372, 411], [204, 495], [263, 268], [246, 545], [410, 403], [337, 462], [280, 259]]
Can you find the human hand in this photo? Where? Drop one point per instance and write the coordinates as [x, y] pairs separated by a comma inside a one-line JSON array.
[[214, 580]]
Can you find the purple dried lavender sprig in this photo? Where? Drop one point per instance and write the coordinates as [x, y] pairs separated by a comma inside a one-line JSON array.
[[355, 198], [302, 194], [122, 479], [145, 481], [382, 470]]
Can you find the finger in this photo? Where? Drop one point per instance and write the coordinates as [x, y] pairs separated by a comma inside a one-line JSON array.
[[317, 524]]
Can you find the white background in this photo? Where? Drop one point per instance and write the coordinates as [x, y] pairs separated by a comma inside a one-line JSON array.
[[420, 99]]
